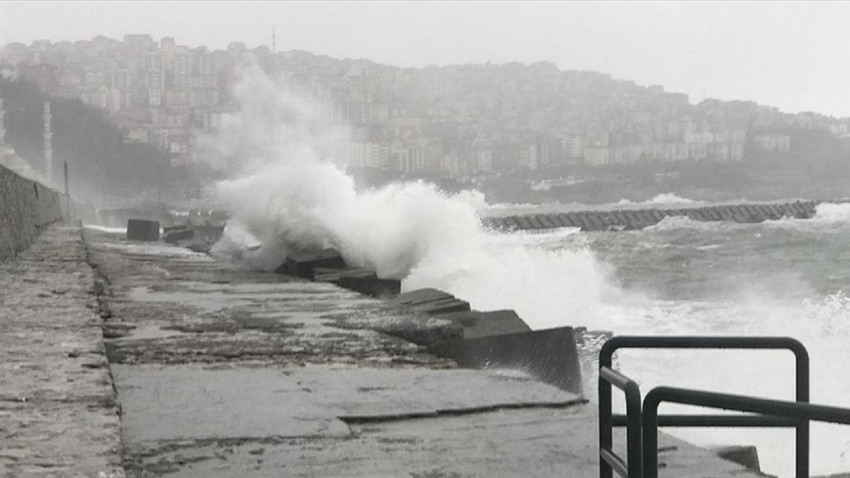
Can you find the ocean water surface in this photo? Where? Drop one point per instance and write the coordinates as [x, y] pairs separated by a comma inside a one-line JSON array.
[[681, 277], [286, 192]]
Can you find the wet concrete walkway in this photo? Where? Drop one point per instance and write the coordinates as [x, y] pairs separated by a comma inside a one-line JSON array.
[[58, 413], [225, 372]]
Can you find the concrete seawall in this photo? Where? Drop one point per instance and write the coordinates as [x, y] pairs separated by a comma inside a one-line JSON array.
[[26, 208], [630, 219]]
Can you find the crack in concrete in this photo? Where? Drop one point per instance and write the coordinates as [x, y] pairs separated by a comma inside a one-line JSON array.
[[366, 419]]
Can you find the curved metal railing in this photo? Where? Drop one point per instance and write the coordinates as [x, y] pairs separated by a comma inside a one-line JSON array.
[[639, 452]]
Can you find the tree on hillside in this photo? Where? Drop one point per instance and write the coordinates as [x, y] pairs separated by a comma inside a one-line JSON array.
[[100, 162]]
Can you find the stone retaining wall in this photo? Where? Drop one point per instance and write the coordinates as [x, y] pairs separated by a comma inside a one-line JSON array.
[[627, 219], [26, 207]]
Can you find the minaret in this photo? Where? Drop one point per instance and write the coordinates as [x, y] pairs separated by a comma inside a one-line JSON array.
[[48, 144], [2, 127], [274, 40]]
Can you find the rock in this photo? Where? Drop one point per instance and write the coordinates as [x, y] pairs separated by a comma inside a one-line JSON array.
[[142, 230]]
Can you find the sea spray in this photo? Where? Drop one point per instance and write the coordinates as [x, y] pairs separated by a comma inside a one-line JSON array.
[[779, 278], [550, 282], [291, 193]]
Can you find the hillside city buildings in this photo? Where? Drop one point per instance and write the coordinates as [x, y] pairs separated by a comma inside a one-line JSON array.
[[451, 120]]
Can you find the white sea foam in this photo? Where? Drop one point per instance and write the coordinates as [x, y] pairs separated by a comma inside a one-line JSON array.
[[832, 212], [290, 195], [822, 324], [659, 200]]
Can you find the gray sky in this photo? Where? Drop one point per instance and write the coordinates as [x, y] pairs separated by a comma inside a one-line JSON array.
[[795, 56]]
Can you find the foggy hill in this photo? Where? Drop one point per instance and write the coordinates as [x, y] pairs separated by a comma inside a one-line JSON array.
[[100, 161]]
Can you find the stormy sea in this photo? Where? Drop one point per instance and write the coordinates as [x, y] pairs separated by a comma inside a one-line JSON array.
[[779, 278], [682, 277]]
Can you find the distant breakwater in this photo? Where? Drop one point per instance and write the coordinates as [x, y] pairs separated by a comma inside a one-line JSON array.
[[631, 219]]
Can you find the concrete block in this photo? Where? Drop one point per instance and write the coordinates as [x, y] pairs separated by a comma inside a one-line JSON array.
[[657, 215], [431, 301], [302, 264], [522, 223], [584, 221], [484, 324], [548, 222], [557, 220], [696, 214], [751, 214], [421, 296], [568, 220], [738, 214], [726, 213], [746, 456], [491, 222], [173, 236], [326, 274], [175, 227], [208, 233], [548, 355], [442, 306], [648, 217], [629, 219], [142, 230], [795, 209], [713, 214], [371, 286], [535, 222]]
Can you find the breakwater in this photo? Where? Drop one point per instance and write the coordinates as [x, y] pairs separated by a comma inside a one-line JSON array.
[[630, 219], [26, 208]]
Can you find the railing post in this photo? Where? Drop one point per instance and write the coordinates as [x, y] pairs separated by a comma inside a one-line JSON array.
[[606, 436], [650, 437], [634, 440], [649, 422], [801, 356]]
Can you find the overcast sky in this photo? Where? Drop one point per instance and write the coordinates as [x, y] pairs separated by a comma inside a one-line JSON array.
[[795, 56]]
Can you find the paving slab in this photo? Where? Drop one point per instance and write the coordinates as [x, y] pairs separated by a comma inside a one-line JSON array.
[[163, 402], [58, 411], [224, 371], [526, 442]]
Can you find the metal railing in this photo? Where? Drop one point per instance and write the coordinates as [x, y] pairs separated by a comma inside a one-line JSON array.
[[777, 410], [609, 461], [638, 450]]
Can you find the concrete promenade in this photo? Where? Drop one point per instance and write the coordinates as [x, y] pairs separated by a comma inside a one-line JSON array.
[[225, 372], [58, 412]]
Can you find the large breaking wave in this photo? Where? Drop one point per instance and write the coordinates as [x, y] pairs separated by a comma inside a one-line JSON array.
[[289, 192]]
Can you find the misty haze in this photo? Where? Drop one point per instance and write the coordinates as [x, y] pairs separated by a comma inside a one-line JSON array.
[[390, 239]]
